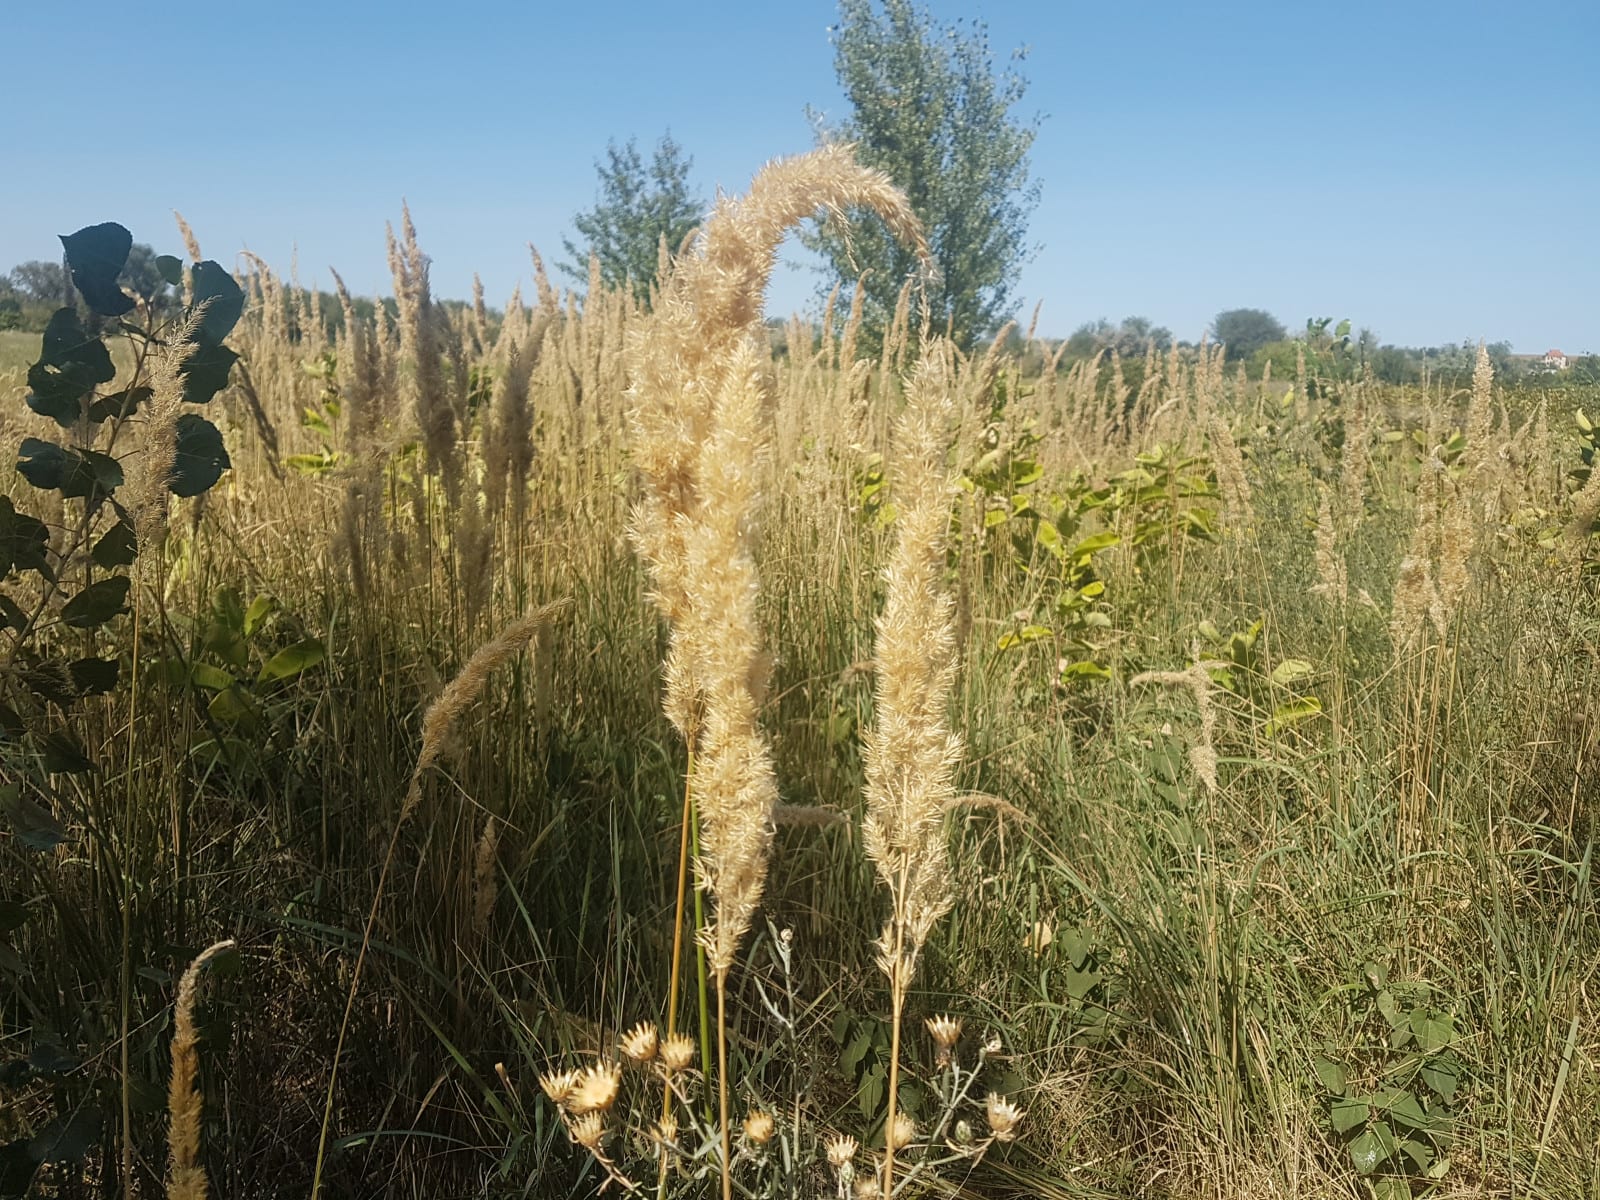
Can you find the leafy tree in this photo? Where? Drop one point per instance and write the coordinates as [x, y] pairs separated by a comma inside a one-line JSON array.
[[41, 282], [1130, 338], [637, 206], [1246, 330], [46, 282], [929, 109]]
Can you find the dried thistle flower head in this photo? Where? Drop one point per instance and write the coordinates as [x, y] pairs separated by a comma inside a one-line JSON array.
[[640, 1042], [867, 1188], [902, 1131], [841, 1150], [677, 1052], [946, 1031], [558, 1085], [596, 1090], [759, 1127], [665, 1130], [588, 1130], [1003, 1117]]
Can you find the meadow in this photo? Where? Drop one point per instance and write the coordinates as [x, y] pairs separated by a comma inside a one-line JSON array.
[[1265, 852]]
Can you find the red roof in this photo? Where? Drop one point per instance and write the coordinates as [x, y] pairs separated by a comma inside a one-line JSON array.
[[1554, 354]]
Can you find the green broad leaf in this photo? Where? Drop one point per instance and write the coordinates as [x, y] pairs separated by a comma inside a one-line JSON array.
[[260, 609], [74, 473], [1084, 670], [1095, 543], [1348, 1114], [232, 706], [170, 268], [13, 916], [1405, 1110], [1287, 716], [1373, 1148], [1025, 471], [63, 754], [994, 517], [223, 297], [205, 372], [1391, 1187], [1292, 670], [117, 547], [211, 679], [94, 676], [1443, 1074], [72, 363], [67, 1138], [322, 462], [1433, 1030], [291, 661], [97, 603], [1331, 1075], [96, 256], [119, 404], [1028, 633], [22, 543], [35, 826], [12, 726], [227, 606], [200, 459]]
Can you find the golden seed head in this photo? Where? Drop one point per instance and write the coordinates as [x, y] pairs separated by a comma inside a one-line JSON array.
[[902, 1131], [558, 1085], [867, 1188], [759, 1127], [597, 1089], [666, 1129], [588, 1130], [1003, 1116], [841, 1150], [677, 1052], [640, 1042], [946, 1030]]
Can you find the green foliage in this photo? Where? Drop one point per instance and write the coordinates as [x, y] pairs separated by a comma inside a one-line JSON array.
[[1245, 330], [636, 209], [928, 108]]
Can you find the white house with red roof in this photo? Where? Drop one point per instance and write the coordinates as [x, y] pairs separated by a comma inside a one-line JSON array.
[[1555, 360]]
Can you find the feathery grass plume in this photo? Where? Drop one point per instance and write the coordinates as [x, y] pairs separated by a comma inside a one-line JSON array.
[[696, 409], [149, 499], [1237, 500], [1355, 458], [485, 888], [1416, 597], [1197, 680], [420, 340], [186, 1178], [1332, 581], [446, 710], [910, 754]]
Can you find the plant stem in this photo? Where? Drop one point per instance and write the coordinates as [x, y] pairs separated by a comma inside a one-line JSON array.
[[677, 949], [722, 1084]]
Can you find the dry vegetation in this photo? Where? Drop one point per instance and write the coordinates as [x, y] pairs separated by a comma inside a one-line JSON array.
[[1220, 752]]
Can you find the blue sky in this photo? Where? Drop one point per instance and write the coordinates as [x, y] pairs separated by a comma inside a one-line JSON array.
[[1429, 169]]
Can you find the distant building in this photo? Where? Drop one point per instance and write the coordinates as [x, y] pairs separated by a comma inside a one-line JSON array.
[[1555, 360]]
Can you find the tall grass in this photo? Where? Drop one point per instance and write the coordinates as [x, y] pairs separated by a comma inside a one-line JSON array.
[[1165, 961]]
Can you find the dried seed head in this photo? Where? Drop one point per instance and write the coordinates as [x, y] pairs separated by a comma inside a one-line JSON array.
[[640, 1042], [841, 1150], [759, 1128], [902, 1131], [677, 1052], [558, 1085], [867, 1188], [588, 1130], [666, 1129], [992, 1046], [946, 1031], [597, 1089], [1003, 1117]]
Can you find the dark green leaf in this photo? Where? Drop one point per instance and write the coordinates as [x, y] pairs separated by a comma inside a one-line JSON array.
[[63, 754], [73, 472], [1406, 1111], [94, 676], [226, 300], [290, 661], [1373, 1148], [72, 363], [118, 547], [35, 826], [200, 459], [170, 269], [97, 603], [49, 1057], [1332, 1075], [96, 256], [205, 372], [12, 726], [209, 678], [67, 1138], [260, 609], [1442, 1073], [1433, 1030], [17, 1169], [22, 543], [232, 706], [1348, 1114], [13, 916], [119, 404]]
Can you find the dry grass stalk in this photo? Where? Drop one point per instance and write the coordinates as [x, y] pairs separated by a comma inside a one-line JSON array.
[[421, 341], [1333, 582], [911, 753], [1415, 592], [700, 446], [1197, 680], [186, 1178], [149, 499]]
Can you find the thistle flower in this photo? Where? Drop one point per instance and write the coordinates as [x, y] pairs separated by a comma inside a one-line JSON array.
[[946, 1031], [558, 1085], [596, 1090], [588, 1130], [841, 1150], [867, 1188], [677, 1052], [902, 1131], [665, 1130], [1003, 1117], [759, 1127], [640, 1042]]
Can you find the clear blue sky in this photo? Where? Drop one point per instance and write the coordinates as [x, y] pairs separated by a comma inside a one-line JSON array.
[[1429, 169]]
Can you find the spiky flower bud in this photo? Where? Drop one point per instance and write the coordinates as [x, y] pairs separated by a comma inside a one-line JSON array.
[[841, 1150], [588, 1130], [558, 1085], [902, 1131], [640, 1042], [677, 1052], [596, 1090], [759, 1128], [946, 1031], [1003, 1117]]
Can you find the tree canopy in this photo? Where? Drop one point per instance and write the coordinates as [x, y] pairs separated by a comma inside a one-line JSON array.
[[929, 108], [1245, 330], [636, 207]]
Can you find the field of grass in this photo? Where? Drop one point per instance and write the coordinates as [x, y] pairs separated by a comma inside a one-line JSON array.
[[1270, 853]]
